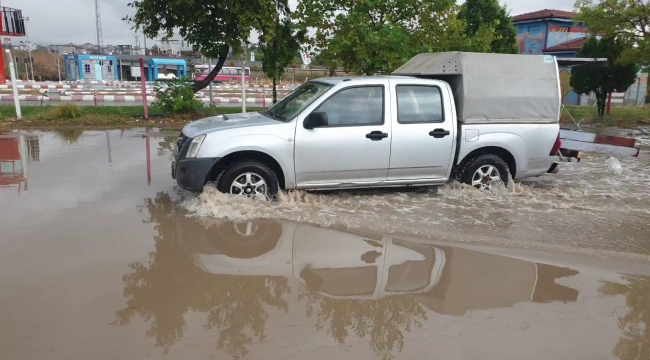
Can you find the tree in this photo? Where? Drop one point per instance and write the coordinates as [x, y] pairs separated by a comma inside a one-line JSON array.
[[380, 35], [213, 27], [617, 77], [489, 14], [278, 50], [628, 21]]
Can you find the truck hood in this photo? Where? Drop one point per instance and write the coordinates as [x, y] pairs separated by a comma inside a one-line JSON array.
[[224, 122]]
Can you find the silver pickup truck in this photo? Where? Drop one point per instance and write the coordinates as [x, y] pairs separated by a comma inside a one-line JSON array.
[[479, 118]]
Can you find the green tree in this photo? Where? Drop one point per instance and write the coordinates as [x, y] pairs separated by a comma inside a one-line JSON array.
[[278, 50], [481, 14], [176, 97], [213, 27], [628, 21], [373, 36], [617, 77]]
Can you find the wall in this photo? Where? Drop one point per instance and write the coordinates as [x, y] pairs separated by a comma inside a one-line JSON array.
[[531, 37], [561, 32], [108, 63], [569, 97]]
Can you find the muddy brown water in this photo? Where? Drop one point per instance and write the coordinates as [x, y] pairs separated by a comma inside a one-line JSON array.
[[102, 257]]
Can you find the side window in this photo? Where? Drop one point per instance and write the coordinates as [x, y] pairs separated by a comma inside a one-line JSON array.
[[356, 106], [419, 104]]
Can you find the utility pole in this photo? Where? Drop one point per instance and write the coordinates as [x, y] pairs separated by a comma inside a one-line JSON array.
[[98, 23], [58, 65], [211, 93], [29, 50]]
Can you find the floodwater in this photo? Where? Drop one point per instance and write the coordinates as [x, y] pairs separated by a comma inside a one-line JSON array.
[[103, 257]]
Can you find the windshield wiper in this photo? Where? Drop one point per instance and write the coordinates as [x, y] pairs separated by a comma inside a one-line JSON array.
[[273, 115]]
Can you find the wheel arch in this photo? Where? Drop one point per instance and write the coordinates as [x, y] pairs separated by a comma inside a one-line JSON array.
[[503, 153], [242, 155]]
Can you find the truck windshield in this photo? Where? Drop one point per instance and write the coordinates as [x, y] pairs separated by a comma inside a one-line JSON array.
[[292, 104]]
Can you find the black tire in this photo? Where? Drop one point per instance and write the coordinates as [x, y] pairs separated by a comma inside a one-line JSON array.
[[469, 169], [229, 175]]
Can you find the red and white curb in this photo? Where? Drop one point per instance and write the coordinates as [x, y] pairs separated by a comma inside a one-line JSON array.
[[3, 87], [128, 98]]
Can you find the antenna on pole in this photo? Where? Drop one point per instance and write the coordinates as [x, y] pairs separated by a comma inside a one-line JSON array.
[[98, 21]]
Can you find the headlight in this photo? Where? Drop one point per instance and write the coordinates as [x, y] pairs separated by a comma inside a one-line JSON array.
[[195, 146]]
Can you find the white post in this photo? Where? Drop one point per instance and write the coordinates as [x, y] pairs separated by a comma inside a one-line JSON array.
[[243, 82], [210, 70], [58, 66], [12, 71]]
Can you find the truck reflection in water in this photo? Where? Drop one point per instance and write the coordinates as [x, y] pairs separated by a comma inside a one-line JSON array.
[[344, 264], [252, 278]]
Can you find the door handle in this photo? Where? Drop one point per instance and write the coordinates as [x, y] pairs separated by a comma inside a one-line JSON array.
[[439, 133], [376, 135]]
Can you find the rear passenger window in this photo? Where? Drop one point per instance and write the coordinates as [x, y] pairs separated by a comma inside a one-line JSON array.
[[419, 104]]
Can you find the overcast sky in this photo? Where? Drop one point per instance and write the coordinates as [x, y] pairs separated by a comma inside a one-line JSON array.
[[65, 21]]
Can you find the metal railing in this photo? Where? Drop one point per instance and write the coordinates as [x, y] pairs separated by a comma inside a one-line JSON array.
[[12, 23]]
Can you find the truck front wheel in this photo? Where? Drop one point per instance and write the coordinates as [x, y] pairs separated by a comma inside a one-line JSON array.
[[249, 178], [485, 171]]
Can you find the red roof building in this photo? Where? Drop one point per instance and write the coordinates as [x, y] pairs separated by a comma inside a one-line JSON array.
[[569, 46], [544, 14]]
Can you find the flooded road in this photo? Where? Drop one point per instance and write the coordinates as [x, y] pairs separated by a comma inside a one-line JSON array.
[[102, 257]]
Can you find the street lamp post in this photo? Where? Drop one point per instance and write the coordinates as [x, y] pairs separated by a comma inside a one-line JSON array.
[[29, 50]]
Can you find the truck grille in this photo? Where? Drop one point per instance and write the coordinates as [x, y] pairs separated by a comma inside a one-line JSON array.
[[181, 141]]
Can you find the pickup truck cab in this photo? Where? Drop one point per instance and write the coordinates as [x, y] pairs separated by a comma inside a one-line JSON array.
[[359, 132]]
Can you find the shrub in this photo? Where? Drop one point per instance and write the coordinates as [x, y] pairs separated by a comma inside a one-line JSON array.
[[177, 97], [66, 111]]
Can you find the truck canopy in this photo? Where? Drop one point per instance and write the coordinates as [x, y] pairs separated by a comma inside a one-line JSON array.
[[495, 88]]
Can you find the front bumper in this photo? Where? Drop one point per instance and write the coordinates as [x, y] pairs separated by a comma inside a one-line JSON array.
[[192, 174]]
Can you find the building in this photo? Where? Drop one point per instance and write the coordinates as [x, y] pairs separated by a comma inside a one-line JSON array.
[[552, 32], [543, 29], [63, 49], [90, 67]]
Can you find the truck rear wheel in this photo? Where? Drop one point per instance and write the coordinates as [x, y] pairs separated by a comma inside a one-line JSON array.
[[249, 178], [485, 171]]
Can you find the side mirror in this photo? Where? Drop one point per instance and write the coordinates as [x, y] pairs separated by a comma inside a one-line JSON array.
[[315, 119]]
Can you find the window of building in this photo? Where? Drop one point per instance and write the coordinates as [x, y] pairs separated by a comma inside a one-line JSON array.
[[534, 29], [109, 68], [86, 68], [419, 104]]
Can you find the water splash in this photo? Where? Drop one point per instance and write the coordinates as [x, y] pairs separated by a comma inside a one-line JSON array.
[[585, 206]]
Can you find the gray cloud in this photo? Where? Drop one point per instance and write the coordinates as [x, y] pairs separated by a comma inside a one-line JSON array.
[[64, 21]]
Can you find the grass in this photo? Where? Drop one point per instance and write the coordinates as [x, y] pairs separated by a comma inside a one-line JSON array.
[[71, 115], [621, 116]]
